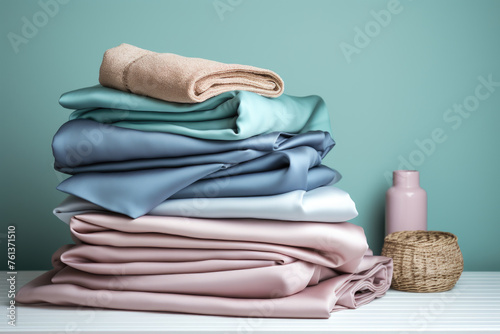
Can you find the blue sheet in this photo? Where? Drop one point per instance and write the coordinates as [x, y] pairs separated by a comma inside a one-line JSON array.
[[136, 192], [87, 146]]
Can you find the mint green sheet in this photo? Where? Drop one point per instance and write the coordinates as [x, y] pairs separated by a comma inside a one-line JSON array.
[[229, 116]]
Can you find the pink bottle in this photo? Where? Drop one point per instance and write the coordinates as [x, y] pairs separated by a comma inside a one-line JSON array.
[[405, 203]]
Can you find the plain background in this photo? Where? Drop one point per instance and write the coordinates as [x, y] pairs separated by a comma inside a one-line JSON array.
[[395, 91]]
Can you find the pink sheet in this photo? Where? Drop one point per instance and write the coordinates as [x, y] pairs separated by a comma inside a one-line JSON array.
[[233, 267]]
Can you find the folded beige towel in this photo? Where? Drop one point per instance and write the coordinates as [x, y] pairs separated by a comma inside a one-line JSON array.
[[174, 78]]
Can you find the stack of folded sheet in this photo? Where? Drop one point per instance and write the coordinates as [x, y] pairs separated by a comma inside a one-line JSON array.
[[198, 187]]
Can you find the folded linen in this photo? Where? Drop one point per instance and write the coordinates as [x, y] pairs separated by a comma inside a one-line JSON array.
[[85, 146], [230, 116], [323, 204], [135, 193], [175, 78], [207, 266]]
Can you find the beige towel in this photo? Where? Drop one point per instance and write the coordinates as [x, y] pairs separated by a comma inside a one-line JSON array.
[[174, 78]]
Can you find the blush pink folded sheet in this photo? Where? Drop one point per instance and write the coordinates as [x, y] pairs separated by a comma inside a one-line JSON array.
[[175, 78], [244, 267]]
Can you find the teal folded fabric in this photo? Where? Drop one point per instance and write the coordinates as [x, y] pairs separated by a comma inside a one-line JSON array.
[[229, 116]]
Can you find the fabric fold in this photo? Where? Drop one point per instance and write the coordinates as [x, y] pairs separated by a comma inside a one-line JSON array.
[[81, 146], [323, 204], [107, 260], [338, 246], [175, 78], [135, 193], [233, 267], [231, 283], [233, 115]]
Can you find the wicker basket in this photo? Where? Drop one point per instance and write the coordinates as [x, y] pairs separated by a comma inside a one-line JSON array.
[[424, 261]]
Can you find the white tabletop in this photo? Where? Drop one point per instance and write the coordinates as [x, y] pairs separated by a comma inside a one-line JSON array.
[[472, 306]]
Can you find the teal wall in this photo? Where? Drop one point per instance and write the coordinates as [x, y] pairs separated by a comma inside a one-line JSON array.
[[385, 93]]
